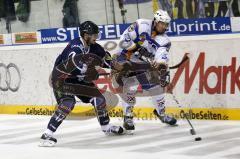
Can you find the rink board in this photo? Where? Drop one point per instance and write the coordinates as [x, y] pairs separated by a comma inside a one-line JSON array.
[[208, 84], [140, 113]]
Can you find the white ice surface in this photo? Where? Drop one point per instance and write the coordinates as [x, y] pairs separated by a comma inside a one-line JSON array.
[[83, 139]]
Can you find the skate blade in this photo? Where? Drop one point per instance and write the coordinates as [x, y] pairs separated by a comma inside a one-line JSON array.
[[111, 134], [128, 132], [175, 125], [46, 143]]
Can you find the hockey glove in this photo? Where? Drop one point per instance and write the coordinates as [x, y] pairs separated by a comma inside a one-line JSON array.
[[144, 52], [164, 75]]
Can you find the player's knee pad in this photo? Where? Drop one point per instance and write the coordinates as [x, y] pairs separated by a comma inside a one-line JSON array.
[[98, 102], [64, 108], [159, 103], [100, 106], [67, 105], [129, 99]]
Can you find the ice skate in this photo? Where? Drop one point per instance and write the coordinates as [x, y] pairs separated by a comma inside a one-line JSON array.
[[128, 124], [165, 118], [47, 140], [112, 130]]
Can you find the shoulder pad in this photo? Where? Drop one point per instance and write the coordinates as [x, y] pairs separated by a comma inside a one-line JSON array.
[[144, 25]]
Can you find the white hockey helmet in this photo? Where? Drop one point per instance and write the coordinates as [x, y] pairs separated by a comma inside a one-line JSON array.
[[162, 16]]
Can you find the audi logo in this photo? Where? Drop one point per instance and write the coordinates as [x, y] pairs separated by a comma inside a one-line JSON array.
[[10, 77]]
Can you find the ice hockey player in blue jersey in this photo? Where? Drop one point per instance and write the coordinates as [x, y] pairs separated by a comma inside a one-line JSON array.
[[73, 75]]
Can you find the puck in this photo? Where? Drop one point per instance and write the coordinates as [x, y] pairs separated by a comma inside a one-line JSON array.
[[198, 139]]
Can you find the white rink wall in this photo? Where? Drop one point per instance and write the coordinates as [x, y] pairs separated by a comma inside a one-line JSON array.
[[210, 80]]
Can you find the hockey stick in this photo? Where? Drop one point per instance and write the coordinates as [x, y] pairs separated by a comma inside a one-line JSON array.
[[184, 59], [192, 130]]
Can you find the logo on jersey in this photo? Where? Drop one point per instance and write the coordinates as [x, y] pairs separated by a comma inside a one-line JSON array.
[[127, 37], [81, 47], [164, 57], [77, 46], [132, 27], [142, 38]]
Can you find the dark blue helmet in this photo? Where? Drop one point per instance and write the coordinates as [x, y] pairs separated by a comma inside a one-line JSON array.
[[88, 27]]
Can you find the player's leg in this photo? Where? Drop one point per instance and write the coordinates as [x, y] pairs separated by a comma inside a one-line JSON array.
[[158, 99], [150, 82], [127, 95], [99, 104], [65, 105], [93, 95]]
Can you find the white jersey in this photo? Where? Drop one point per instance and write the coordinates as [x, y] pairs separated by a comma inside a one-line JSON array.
[[140, 33]]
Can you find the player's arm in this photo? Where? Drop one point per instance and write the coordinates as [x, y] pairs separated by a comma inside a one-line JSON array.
[[160, 61], [128, 44], [162, 52], [127, 47]]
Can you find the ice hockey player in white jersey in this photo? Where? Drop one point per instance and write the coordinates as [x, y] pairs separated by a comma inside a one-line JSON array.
[[145, 59]]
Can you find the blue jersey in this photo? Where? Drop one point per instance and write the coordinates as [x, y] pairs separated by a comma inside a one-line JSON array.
[[70, 61]]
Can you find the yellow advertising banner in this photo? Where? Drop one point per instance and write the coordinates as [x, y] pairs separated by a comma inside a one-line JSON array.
[[140, 113], [1, 39]]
